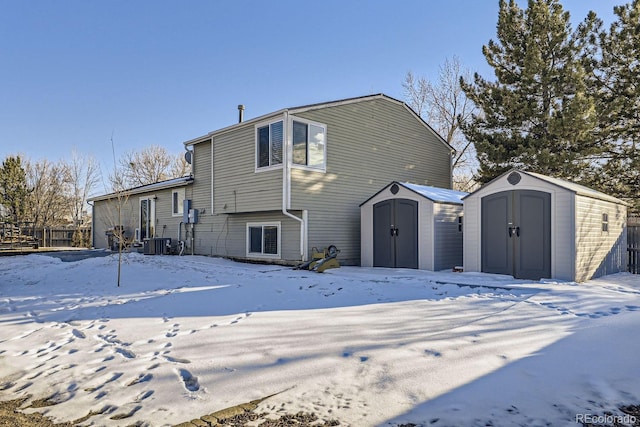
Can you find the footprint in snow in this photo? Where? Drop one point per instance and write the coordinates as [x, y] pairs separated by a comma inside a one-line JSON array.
[[24, 386], [126, 353], [632, 307], [174, 331], [125, 415], [141, 378], [144, 395], [177, 359], [190, 381], [239, 318], [78, 334]]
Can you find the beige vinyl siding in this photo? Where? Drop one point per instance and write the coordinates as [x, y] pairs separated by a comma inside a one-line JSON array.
[[201, 187], [369, 144], [166, 224], [599, 252], [447, 239], [225, 235], [106, 215], [238, 187]]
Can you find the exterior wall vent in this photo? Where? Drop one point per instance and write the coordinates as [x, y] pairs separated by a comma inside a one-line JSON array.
[[514, 178]]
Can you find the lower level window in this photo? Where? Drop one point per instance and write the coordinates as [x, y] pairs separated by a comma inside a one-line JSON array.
[[263, 239]]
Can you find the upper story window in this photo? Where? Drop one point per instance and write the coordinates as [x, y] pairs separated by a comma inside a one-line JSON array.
[[270, 140], [309, 144]]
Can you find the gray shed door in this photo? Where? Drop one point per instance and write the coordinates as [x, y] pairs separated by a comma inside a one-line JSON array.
[[516, 234], [395, 234]]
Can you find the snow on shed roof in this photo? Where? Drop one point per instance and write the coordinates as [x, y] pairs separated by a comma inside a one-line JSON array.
[[436, 194]]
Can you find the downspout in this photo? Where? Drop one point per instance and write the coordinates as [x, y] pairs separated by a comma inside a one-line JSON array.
[[212, 169], [286, 191], [453, 157]]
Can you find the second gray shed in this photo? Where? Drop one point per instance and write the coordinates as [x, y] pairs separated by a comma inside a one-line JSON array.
[[533, 226], [412, 226]]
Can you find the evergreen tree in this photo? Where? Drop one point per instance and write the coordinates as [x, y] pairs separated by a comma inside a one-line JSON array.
[[538, 114], [612, 59], [13, 188]]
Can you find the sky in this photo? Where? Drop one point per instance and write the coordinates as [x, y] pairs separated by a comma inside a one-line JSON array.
[[105, 78]]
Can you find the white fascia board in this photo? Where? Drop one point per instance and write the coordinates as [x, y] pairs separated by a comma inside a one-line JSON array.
[[180, 182]]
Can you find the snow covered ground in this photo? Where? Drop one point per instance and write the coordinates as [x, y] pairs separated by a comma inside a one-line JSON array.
[[186, 336]]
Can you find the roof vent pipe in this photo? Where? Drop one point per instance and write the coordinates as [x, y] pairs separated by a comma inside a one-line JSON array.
[[240, 113]]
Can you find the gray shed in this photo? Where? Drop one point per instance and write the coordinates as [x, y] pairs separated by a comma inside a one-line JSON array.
[[533, 226], [412, 226]]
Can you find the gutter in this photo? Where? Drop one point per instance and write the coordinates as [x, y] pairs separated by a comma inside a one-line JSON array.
[[286, 191]]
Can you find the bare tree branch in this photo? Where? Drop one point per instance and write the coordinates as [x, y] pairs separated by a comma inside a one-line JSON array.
[[444, 106]]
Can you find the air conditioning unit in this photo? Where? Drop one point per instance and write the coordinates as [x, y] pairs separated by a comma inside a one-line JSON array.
[[157, 246]]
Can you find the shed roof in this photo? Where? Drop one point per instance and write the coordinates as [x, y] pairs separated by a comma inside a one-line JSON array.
[[161, 185], [578, 189], [435, 194]]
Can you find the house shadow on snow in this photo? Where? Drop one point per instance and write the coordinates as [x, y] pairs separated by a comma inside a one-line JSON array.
[[587, 371]]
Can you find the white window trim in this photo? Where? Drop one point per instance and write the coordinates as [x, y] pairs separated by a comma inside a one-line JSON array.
[[257, 145], [277, 224], [181, 196], [322, 169]]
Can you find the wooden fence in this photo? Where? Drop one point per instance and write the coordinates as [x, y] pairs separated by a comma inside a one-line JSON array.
[[12, 236], [62, 237], [633, 245]]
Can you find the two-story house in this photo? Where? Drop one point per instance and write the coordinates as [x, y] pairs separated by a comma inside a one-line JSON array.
[[275, 186]]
